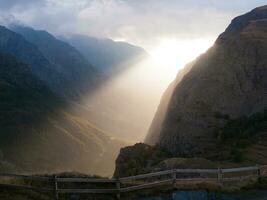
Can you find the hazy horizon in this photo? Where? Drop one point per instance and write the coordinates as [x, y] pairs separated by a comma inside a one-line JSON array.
[[178, 30]]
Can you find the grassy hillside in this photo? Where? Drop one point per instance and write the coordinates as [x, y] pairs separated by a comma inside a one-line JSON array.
[[245, 135], [39, 133]]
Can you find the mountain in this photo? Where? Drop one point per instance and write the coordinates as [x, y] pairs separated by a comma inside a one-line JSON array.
[[109, 105], [14, 44], [113, 106], [215, 112], [38, 133], [225, 84], [67, 61], [155, 127], [107, 55], [81, 76]]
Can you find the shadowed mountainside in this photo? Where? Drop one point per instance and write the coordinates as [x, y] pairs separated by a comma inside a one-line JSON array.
[[109, 105], [155, 127], [217, 111], [109, 56], [227, 82], [39, 132], [66, 60], [14, 44]]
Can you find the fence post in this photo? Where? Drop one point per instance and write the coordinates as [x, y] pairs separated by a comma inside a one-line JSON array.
[[118, 186], [258, 171], [55, 187], [219, 175], [174, 177]]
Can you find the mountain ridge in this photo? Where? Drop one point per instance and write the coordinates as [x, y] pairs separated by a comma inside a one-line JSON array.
[[40, 130], [67, 60], [16, 45], [109, 56], [231, 70], [39, 133], [217, 111]]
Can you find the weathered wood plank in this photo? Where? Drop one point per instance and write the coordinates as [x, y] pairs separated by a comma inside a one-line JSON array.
[[23, 187], [87, 180], [147, 185], [241, 169], [87, 191], [239, 178], [204, 171], [55, 187], [196, 179], [27, 177], [130, 178]]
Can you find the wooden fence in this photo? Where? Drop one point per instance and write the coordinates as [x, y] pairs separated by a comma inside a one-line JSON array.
[[56, 185]]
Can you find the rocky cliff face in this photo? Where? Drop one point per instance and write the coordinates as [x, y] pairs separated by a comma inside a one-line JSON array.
[[155, 128], [227, 82], [138, 159], [214, 113]]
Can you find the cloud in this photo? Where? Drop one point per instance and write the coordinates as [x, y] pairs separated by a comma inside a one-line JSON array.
[[9, 4], [141, 22]]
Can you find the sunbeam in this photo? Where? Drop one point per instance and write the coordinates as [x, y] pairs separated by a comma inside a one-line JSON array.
[[126, 104]]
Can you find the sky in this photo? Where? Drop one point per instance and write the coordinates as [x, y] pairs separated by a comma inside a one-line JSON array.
[[173, 32], [141, 22]]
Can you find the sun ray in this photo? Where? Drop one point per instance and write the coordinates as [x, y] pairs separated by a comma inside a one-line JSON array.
[[172, 54]]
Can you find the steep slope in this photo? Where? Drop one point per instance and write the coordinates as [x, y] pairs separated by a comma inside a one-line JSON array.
[[66, 59], [156, 125], [110, 106], [37, 131], [217, 111], [113, 106], [109, 56], [14, 44], [227, 82]]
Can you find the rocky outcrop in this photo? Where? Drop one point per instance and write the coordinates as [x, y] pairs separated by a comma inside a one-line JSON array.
[[142, 158], [227, 82], [137, 159]]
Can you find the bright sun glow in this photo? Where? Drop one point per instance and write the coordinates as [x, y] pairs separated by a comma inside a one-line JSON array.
[[141, 86], [173, 54]]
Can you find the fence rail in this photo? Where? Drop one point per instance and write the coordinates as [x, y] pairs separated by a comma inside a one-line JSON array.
[[86, 180], [138, 182]]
